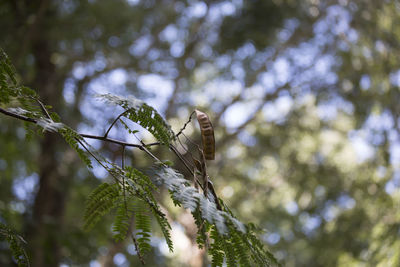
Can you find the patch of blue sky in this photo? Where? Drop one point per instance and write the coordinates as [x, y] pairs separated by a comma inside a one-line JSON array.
[[169, 34], [309, 222], [393, 185], [237, 70], [238, 113], [395, 154], [220, 90], [254, 92], [267, 80], [365, 82], [330, 211], [245, 51], [395, 78], [99, 171], [248, 139], [380, 122], [364, 150], [177, 49], [277, 110], [159, 89], [133, 2], [24, 187], [120, 259], [272, 238], [220, 10], [328, 110], [346, 202], [197, 9], [292, 208], [304, 55], [282, 71], [79, 71], [141, 45], [94, 263], [69, 91]]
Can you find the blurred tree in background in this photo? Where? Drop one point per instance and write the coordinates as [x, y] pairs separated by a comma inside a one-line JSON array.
[[304, 97]]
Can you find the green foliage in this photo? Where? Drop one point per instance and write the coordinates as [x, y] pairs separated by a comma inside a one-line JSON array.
[[11, 91], [231, 239], [123, 217], [132, 195], [340, 60], [99, 203], [216, 250], [165, 228], [16, 245], [143, 227], [144, 115], [73, 139], [132, 191], [201, 238], [143, 181], [7, 78]]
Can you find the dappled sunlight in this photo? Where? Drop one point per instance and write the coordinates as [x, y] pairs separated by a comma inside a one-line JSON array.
[[301, 100]]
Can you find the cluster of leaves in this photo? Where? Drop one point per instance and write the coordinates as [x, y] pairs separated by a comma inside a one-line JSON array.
[[11, 91], [132, 197], [132, 192], [15, 242], [231, 239], [143, 114]]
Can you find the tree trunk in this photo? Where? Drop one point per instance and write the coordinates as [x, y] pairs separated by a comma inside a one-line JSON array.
[[48, 209]]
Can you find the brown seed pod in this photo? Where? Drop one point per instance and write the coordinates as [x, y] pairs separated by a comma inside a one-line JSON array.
[[207, 135]]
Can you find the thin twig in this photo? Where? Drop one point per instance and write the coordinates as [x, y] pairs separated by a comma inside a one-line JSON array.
[[180, 158], [123, 158], [106, 139], [190, 140], [155, 209], [184, 126], [115, 121], [135, 243], [43, 108]]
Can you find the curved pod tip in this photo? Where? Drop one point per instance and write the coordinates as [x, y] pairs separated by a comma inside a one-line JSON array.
[[207, 135]]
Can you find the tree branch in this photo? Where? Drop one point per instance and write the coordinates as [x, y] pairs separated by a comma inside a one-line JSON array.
[[17, 116], [115, 121]]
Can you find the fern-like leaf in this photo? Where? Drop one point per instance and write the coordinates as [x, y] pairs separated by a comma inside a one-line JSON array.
[[201, 238], [72, 137], [216, 250], [240, 248], [8, 82], [16, 245], [123, 217], [231, 239], [165, 228], [144, 115], [99, 203], [143, 227]]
